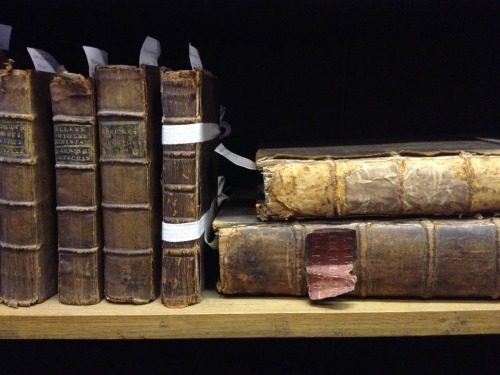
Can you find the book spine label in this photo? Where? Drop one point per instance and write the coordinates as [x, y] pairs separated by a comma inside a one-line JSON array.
[[13, 136], [122, 140], [74, 144]]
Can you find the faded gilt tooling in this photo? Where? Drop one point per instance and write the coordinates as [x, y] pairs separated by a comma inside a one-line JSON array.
[[450, 180], [448, 258], [78, 189], [28, 232], [128, 112], [189, 179]]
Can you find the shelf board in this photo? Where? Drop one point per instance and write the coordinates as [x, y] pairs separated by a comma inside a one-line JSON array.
[[220, 316]]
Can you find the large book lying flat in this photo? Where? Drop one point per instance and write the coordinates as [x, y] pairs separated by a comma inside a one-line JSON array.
[[437, 257], [28, 231], [129, 116], [189, 179], [390, 179], [78, 189]]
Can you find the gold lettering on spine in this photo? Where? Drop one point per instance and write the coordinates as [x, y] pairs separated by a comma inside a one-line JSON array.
[[122, 140], [73, 143], [13, 140]]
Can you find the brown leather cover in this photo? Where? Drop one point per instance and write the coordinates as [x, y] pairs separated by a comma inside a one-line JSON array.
[[381, 179], [78, 189], [439, 257], [28, 231], [129, 115], [189, 179]]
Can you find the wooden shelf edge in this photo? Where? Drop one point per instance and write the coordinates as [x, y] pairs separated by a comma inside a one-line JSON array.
[[251, 317]]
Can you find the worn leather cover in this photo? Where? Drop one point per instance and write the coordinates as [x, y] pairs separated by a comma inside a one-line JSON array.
[[129, 115], [78, 189], [28, 231], [444, 177], [189, 179], [426, 258]]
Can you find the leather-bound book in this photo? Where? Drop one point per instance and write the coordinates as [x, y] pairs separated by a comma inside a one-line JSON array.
[[129, 119], [443, 177], [28, 229], [78, 189], [405, 257], [189, 179]]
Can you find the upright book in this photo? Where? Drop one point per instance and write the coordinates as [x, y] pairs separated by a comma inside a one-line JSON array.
[[28, 229], [430, 257], [129, 116], [191, 98], [444, 177], [77, 189]]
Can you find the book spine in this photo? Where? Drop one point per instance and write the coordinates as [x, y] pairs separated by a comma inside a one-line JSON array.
[[189, 181], [427, 259], [381, 186], [79, 216], [129, 125], [28, 231]]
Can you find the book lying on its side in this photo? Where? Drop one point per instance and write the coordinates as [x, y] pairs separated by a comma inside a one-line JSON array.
[[454, 176], [437, 257]]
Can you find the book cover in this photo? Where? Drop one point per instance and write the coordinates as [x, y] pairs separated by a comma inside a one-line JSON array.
[[78, 189], [189, 179], [129, 116], [28, 228], [442, 177], [405, 257]]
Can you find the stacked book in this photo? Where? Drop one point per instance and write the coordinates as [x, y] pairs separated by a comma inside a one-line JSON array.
[[383, 219], [86, 177]]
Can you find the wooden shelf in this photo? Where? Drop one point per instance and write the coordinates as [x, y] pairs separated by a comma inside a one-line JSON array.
[[245, 317]]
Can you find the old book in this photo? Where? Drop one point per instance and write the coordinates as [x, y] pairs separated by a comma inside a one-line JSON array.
[[129, 115], [78, 189], [28, 229], [391, 179], [406, 257], [189, 179]]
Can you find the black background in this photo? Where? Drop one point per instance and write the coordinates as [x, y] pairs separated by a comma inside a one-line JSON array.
[[289, 70]]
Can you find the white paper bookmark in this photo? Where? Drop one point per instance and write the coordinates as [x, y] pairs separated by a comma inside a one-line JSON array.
[[42, 60], [194, 58], [95, 57], [150, 52], [5, 31]]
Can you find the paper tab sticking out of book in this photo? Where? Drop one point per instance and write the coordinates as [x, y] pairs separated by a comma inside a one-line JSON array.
[[42, 60], [150, 52], [329, 261], [194, 58], [5, 31], [95, 57]]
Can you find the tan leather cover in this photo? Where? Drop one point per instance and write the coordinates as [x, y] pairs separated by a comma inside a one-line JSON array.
[[391, 179], [129, 115], [189, 179], [28, 231], [78, 189]]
